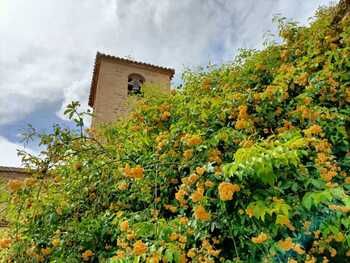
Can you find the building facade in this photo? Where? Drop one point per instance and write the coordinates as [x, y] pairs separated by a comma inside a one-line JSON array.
[[114, 79]]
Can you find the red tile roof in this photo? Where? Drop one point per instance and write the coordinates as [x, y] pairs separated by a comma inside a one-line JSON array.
[[100, 56]]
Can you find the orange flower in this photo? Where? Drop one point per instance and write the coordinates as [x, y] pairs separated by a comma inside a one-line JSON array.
[[214, 156], [30, 181], [194, 140], [124, 225], [188, 154], [179, 196], [226, 190], [183, 220], [140, 248], [347, 180], [120, 254], [165, 116], [87, 255], [240, 124], [333, 252], [197, 195], [201, 214], [208, 184], [242, 114], [286, 244], [200, 170], [192, 179], [173, 236], [313, 130], [136, 172], [261, 238], [182, 239], [328, 176], [171, 208], [15, 185], [339, 208], [5, 243], [250, 212]]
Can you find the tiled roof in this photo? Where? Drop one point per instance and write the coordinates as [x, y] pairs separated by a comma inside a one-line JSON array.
[[13, 172], [100, 56], [13, 169]]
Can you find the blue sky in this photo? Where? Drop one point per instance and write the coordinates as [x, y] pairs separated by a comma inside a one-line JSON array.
[[47, 47]]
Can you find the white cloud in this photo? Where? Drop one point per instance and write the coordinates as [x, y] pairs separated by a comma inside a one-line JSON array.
[[47, 47], [8, 153]]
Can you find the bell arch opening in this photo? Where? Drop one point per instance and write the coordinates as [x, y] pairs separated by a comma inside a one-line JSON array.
[[135, 82]]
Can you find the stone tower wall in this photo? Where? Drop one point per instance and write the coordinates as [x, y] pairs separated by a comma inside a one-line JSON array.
[[112, 88]]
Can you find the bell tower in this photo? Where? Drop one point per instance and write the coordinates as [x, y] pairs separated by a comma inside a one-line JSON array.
[[115, 78]]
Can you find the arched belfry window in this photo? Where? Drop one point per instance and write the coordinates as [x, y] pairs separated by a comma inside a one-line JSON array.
[[135, 82]]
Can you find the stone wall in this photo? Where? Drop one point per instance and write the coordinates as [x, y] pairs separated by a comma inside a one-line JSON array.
[[112, 88], [8, 173]]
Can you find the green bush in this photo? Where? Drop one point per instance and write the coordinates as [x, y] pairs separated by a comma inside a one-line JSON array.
[[249, 162]]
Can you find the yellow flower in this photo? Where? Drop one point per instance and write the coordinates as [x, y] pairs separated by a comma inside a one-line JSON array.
[[347, 180], [56, 242], [130, 235], [46, 251], [183, 220], [201, 214], [191, 253], [140, 248], [339, 237], [200, 170], [124, 225], [123, 186], [188, 154], [214, 156], [182, 239], [313, 130], [333, 252], [180, 195], [87, 254], [171, 208], [15, 185], [297, 248], [119, 213], [261, 238], [226, 190], [30, 181], [173, 236]]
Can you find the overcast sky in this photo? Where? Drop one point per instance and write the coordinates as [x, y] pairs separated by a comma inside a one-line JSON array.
[[47, 47]]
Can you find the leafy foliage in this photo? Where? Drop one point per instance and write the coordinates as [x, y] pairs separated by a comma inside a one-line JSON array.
[[249, 162]]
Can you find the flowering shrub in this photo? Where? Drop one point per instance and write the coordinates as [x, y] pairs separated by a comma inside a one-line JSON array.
[[249, 162]]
